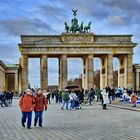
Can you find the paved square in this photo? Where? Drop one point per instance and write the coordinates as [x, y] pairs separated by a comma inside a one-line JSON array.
[[90, 123]]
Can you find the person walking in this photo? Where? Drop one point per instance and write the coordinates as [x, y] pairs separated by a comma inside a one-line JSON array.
[[65, 99], [105, 100], [48, 96], [91, 94], [134, 99], [41, 104], [27, 104], [73, 99]]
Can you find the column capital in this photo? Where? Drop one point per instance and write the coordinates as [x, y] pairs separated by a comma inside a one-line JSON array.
[[63, 55], [24, 55], [90, 56], [43, 55]]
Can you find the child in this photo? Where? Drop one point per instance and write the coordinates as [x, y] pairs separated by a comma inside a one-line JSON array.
[[134, 98], [27, 104]]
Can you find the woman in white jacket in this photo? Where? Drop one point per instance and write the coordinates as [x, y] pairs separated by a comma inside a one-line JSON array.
[[104, 94], [73, 98]]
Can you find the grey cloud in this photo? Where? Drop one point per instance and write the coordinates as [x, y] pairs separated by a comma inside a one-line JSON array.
[[116, 20], [17, 27], [127, 10], [53, 12], [7, 56]]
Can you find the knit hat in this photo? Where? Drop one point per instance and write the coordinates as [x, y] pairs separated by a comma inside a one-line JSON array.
[[28, 90]]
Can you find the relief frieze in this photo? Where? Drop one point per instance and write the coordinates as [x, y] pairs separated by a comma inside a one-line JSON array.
[[77, 39]]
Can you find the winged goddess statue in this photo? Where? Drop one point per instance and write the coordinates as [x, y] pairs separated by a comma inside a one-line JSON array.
[[74, 12]]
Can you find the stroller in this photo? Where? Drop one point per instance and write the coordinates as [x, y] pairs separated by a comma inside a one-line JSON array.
[[85, 101], [77, 104]]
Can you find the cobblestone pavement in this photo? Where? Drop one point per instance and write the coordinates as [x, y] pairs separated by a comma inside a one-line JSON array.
[[90, 123]]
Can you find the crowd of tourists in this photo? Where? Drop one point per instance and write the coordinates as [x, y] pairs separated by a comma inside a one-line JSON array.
[[6, 98], [105, 96], [38, 100]]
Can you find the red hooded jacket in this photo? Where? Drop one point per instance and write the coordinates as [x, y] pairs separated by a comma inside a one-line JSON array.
[[41, 102], [27, 103]]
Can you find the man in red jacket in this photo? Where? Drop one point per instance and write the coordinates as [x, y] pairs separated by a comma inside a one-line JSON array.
[[41, 104], [27, 103]]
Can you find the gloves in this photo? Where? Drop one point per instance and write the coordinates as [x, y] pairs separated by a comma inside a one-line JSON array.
[[46, 109]]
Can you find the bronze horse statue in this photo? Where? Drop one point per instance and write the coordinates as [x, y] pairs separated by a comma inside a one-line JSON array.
[[66, 27], [87, 28], [81, 27]]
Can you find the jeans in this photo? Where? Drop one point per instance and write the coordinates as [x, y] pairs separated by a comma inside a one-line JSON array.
[[90, 99], [63, 104], [27, 115], [72, 104], [110, 99], [38, 114]]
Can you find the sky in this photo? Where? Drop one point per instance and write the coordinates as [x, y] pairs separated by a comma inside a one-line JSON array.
[[43, 17]]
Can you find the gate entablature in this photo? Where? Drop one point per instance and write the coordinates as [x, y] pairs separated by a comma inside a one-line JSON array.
[[76, 44]]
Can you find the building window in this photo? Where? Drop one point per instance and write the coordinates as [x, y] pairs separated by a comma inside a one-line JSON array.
[[103, 62], [121, 62]]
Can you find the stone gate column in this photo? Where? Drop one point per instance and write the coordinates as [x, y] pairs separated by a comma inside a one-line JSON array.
[[44, 72], [24, 72], [137, 80], [62, 72], [89, 77], [103, 71], [106, 71], [110, 70], [129, 71], [59, 80], [84, 73], [16, 81], [122, 71]]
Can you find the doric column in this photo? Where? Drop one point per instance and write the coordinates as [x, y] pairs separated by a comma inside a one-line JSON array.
[[84, 73], [59, 73], [62, 72], [137, 80], [88, 72], [103, 71], [110, 70], [44, 72], [20, 75], [122, 71], [16, 81], [24, 72], [129, 71], [106, 71]]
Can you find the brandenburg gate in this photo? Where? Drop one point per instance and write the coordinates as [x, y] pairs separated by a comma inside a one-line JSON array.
[[78, 41]]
